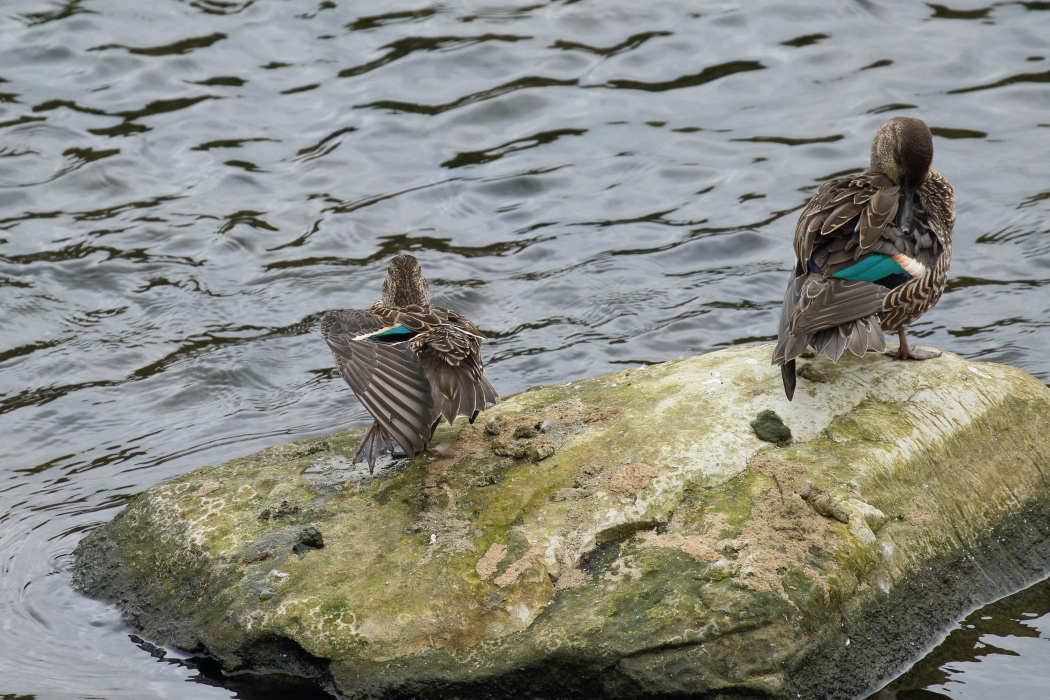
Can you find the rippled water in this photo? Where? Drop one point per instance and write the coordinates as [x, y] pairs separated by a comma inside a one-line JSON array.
[[185, 187]]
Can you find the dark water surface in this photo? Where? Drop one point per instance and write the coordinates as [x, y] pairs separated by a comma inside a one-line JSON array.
[[185, 187]]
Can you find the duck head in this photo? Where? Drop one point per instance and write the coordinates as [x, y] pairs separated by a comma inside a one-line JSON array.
[[405, 284], [903, 151]]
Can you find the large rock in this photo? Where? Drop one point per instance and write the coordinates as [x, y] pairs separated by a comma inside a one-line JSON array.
[[627, 535]]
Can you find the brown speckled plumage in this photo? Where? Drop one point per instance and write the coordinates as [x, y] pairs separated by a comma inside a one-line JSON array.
[[409, 363], [899, 208]]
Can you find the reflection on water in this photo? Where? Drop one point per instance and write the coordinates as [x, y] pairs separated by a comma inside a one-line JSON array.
[[997, 651], [187, 186]]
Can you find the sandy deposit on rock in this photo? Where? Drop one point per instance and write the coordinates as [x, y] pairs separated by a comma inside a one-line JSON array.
[[783, 530], [633, 478]]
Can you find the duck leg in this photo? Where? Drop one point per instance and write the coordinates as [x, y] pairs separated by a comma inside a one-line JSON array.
[[375, 441], [906, 352]]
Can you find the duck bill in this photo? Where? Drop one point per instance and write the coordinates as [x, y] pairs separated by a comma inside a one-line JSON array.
[[907, 210]]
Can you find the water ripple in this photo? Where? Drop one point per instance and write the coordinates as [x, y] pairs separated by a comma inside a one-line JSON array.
[[707, 75], [183, 46], [409, 45], [1043, 77], [525, 83], [187, 186]]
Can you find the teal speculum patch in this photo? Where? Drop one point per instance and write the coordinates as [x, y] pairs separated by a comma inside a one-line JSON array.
[[872, 269], [394, 334]]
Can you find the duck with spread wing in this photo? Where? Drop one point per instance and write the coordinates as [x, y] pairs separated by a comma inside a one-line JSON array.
[[871, 253], [408, 362]]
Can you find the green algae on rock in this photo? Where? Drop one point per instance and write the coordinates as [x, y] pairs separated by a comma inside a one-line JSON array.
[[770, 427], [627, 536]]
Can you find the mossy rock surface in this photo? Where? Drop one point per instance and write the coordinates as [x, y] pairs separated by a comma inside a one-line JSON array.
[[627, 536]]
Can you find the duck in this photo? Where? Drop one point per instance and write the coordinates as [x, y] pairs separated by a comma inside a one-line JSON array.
[[871, 254], [409, 363]]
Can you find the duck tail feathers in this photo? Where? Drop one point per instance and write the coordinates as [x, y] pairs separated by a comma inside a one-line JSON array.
[[857, 336], [787, 372]]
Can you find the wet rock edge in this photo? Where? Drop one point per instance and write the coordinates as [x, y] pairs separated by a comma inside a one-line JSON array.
[[884, 639], [98, 572]]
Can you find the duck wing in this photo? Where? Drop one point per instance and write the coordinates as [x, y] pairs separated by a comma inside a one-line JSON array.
[[825, 302], [451, 357], [871, 198], [843, 270], [384, 373]]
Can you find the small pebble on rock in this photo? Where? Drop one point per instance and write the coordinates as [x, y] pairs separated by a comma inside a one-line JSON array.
[[309, 538]]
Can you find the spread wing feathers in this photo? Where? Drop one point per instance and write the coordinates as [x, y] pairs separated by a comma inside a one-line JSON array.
[[871, 198], [459, 393], [388, 379], [451, 358], [827, 301]]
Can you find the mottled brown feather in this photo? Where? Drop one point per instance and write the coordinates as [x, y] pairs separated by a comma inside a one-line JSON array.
[[408, 381], [852, 217]]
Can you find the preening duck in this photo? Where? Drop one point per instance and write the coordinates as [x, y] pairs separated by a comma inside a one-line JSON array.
[[871, 253], [408, 362]]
